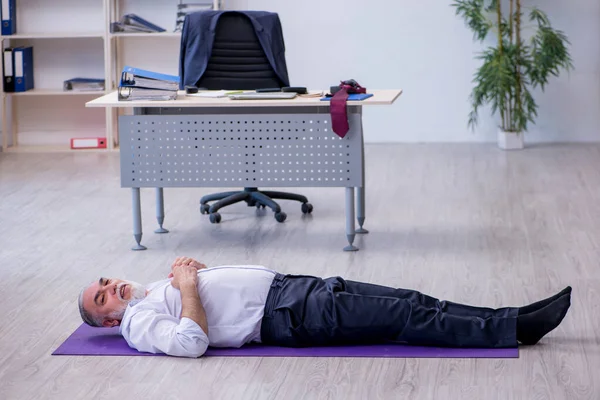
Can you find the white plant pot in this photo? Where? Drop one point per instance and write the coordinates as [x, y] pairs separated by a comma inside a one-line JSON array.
[[510, 140]]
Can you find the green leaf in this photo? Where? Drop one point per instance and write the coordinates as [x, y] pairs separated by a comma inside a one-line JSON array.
[[472, 11], [494, 81], [539, 16], [549, 54]]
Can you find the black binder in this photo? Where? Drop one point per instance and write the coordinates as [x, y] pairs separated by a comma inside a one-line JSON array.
[[8, 69]]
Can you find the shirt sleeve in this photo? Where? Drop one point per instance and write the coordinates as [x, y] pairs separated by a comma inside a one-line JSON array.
[[152, 332]]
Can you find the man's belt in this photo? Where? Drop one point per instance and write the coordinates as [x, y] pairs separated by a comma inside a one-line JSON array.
[[338, 109]]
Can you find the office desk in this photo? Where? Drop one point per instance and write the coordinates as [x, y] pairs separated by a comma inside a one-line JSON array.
[[219, 142]]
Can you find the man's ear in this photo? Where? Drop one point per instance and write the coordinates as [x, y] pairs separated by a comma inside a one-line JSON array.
[[109, 323]]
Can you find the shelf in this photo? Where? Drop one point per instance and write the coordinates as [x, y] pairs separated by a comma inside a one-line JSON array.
[[145, 34], [54, 35], [53, 149], [54, 92], [39, 29]]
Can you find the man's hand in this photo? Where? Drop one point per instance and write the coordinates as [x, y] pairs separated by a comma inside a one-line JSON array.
[[184, 276], [185, 261], [185, 279]]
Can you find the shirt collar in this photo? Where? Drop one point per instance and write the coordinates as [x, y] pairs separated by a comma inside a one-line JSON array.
[[134, 302]]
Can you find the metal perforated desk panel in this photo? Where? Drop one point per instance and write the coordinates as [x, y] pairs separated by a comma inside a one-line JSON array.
[[199, 142], [294, 150]]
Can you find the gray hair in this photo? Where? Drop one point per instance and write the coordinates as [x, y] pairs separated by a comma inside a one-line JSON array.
[[86, 316]]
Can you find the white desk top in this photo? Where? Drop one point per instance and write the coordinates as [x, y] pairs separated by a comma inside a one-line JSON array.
[[380, 97]]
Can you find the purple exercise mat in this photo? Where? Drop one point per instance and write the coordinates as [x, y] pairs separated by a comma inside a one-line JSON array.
[[89, 341]]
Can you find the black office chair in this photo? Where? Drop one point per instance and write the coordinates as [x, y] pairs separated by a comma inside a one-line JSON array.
[[238, 61]]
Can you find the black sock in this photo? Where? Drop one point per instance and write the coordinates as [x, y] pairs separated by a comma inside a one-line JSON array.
[[533, 326], [543, 303]]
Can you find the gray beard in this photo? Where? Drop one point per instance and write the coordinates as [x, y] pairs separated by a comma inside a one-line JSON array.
[[138, 292]]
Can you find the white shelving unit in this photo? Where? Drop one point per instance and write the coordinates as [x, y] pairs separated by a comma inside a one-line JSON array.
[[147, 35], [45, 118], [54, 35]]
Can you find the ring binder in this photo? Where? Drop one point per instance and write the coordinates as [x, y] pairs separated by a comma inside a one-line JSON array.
[[88, 143], [9, 17], [8, 70], [23, 64], [140, 84]]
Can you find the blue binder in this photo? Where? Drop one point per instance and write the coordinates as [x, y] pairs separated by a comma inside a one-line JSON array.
[[9, 17], [353, 96], [134, 19], [23, 61], [129, 74], [136, 77]]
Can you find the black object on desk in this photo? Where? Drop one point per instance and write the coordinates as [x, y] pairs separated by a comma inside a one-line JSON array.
[[268, 90], [295, 89]]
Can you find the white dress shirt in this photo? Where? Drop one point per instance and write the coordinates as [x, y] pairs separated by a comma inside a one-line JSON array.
[[233, 298]]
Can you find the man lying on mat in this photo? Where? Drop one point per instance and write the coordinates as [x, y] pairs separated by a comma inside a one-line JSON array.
[[228, 306]]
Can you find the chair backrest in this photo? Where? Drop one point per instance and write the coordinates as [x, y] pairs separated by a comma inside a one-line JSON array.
[[237, 60]]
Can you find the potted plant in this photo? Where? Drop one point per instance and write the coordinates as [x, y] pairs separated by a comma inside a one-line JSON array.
[[514, 66]]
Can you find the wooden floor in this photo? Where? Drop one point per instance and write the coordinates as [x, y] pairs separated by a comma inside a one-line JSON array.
[[466, 223]]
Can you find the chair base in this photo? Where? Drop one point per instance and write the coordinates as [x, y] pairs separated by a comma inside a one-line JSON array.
[[254, 198]]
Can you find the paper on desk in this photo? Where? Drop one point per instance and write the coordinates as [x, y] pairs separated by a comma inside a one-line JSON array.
[[312, 93], [214, 93]]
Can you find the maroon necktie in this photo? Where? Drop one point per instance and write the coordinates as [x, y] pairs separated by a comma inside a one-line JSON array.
[[339, 115]]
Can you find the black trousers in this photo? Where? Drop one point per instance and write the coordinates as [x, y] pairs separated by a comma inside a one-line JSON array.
[[306, 311]]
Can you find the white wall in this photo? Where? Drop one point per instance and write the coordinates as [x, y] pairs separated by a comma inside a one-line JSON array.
[[419, 46], [423, 48]]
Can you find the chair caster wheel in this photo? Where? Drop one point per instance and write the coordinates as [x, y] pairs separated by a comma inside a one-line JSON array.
[[307, 208], [215, 218], [280, 216], [204, 208]]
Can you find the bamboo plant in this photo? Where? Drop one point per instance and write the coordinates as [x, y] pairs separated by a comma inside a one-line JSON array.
[[514, 66]]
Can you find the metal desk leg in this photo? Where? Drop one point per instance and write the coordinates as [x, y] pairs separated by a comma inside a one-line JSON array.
[[350, 233], [360, 191], [137, 218], [360, 209], [160, 211]]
